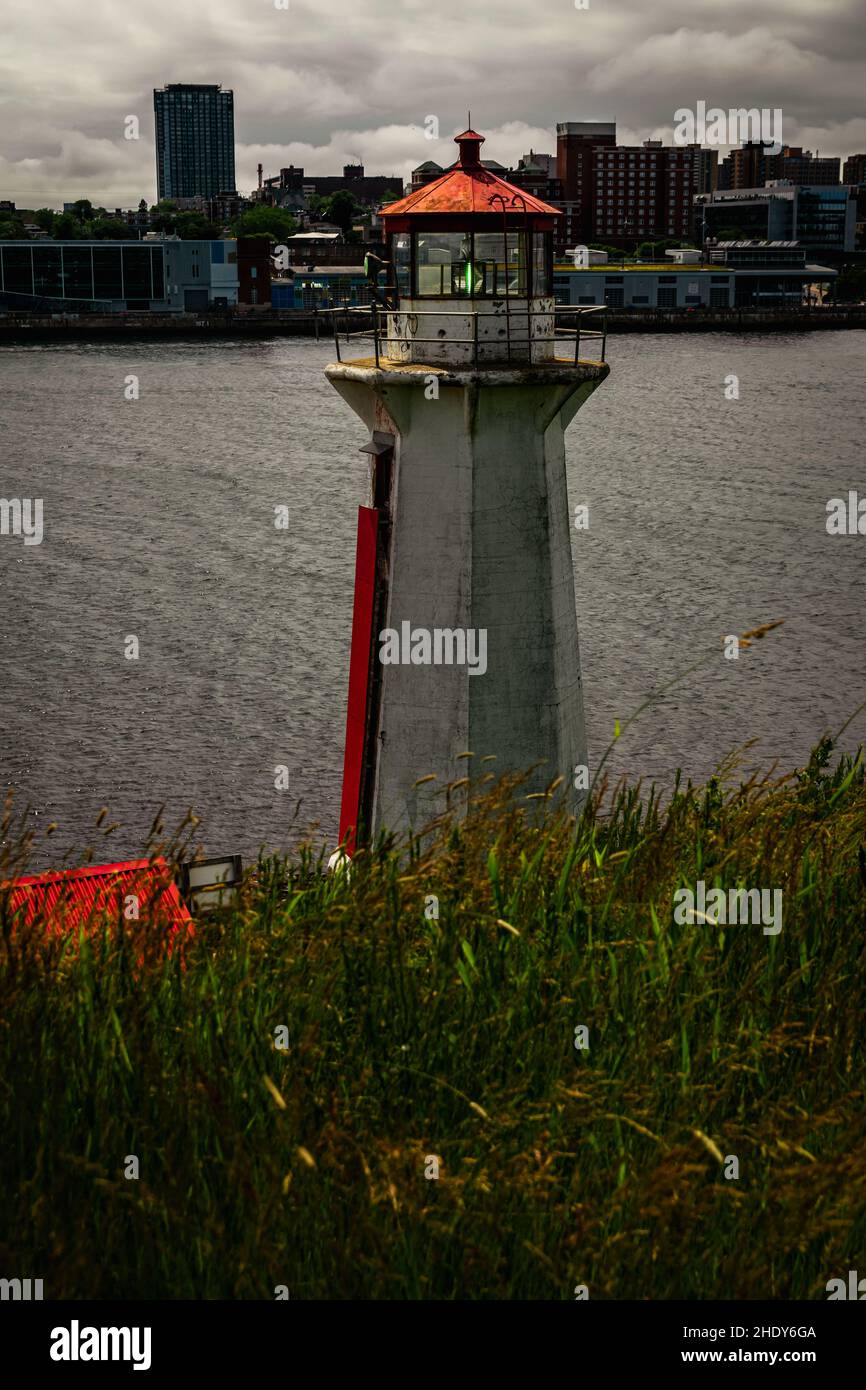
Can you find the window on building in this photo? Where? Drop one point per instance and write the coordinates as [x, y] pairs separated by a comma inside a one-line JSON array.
[[17, 269], [541, 263], [137, 272], [156, 272], [77, 268], [107, 274], [666, 298], [47, 266]]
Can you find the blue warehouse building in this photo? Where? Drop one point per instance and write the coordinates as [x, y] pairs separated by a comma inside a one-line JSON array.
[[323, 287]]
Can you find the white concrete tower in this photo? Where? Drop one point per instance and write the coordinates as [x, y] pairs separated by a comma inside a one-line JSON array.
[[464, 633]]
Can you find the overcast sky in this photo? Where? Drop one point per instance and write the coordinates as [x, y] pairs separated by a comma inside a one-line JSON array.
[[322, 84]]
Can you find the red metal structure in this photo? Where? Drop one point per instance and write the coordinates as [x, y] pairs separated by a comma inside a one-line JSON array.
[[360, 668], [87, 897], [466, 188]]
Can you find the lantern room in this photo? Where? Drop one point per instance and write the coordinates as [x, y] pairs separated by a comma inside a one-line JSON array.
[[471, 260]]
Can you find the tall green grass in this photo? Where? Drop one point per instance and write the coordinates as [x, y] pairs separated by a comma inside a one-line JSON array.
[[412, 1036]]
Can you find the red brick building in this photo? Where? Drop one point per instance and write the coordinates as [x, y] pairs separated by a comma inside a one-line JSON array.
[[254, 272], [623, 194]]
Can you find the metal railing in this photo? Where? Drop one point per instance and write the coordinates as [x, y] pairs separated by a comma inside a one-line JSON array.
[[487, 351]]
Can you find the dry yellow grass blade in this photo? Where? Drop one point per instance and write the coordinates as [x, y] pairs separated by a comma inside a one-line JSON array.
[[277, 1098], [708, 1144], [624, 1119]]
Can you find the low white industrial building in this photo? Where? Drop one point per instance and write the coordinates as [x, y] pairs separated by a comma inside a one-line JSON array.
[[731, 275]]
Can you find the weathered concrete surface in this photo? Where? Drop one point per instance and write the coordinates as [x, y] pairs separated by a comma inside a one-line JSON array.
[[493, 330], [481, 540]]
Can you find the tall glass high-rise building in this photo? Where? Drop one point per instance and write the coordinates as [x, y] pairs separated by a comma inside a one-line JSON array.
[[195, 140]]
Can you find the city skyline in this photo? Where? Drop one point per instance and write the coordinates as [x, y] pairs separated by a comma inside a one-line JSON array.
[[322, 88]]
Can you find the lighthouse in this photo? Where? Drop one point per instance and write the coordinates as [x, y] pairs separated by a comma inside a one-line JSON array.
[[464, 630]]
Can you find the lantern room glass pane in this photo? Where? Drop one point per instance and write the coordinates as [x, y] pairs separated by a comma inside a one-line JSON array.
[[442, 261], [484, 265], [500, 266], [401, 256], [459, 265], [516, 267], [490, 263]]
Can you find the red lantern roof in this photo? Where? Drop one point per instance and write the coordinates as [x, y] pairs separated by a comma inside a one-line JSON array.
[[466, 188], [74, 898]]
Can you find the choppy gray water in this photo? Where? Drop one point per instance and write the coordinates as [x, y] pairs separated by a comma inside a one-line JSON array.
[[707, 516]]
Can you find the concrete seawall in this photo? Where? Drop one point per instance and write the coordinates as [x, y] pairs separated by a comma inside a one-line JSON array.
[[735, 320], [22, 328]]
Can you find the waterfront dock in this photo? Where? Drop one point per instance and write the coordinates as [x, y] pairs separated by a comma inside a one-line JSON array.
[[310, 323]]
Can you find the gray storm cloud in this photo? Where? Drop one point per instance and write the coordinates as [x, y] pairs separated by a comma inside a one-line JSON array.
[[321, 84]]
